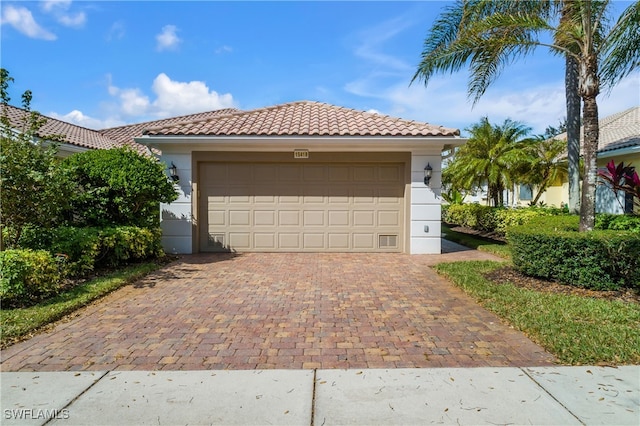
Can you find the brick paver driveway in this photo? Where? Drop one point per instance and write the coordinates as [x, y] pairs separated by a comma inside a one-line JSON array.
[[281, 311]]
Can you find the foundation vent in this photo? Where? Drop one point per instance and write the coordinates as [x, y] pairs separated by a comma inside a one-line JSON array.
[[388, 241]]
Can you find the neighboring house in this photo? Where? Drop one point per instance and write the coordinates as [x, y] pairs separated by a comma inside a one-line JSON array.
[[302, 177], [77, 139], [619, 140]]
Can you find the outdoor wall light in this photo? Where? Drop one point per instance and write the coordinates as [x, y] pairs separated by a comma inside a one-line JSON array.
[[427, 174], [173, 171]]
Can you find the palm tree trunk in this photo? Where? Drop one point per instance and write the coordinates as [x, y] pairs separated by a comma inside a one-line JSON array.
[[589, 87], [573, 132]]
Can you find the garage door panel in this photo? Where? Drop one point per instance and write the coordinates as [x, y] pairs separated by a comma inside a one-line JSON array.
[[389, 173], [313, 241], [364, 241], [338, 241], [313, 174], [363, 218], [240, 173], [265, 240], [388, 218], [289, 218], [289, 240], [240, 240], [217, 217], [239, 218], [264, 218], [338, 218], [313, 218], [339, 173], [302, 207]]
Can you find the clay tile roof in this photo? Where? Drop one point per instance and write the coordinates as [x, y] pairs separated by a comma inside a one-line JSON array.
[[303, 118], [75, 135], [617, 131], [125, 134]]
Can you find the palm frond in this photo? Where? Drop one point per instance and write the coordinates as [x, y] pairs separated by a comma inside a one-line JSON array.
[[621, 49]]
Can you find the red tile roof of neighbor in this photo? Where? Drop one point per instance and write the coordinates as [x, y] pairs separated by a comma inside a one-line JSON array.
[[125, 134], [303, 118], [73, 134]]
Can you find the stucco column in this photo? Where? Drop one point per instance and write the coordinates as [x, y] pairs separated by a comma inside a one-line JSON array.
[[425, 232]]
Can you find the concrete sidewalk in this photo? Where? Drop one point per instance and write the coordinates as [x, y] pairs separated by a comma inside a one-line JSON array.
[[540, 395]]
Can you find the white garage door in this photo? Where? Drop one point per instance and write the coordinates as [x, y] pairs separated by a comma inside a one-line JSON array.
[[310, 207]]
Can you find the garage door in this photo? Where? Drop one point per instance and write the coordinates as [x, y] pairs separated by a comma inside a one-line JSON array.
[[310, 207]]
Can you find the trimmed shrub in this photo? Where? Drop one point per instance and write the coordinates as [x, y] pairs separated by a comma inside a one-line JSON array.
[[552, 248], [618, 222], [29, 275], [493, 219], [90, 248], [117, 187], [125, 243]]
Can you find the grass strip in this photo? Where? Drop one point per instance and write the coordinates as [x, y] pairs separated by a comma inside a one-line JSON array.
[[19, 323], [478, 243], [577, 330]]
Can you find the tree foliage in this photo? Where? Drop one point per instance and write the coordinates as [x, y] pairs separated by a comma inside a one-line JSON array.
[[487, 36], [117, 187], [33, 188], [493, 156]]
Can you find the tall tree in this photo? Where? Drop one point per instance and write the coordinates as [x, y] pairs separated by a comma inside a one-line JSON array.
[[489, 35], [544, 164], [491, 157]]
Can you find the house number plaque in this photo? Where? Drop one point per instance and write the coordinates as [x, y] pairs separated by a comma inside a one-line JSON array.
[[300, 153]]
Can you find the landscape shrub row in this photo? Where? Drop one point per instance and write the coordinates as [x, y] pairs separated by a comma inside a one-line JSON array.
[[552, 248], [499, 219], [44, 258], [493, 219]]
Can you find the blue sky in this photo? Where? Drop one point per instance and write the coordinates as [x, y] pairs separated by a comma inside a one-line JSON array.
[[105, 63]]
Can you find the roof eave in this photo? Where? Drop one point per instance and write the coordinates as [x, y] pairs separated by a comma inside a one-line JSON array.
[[316, 143]]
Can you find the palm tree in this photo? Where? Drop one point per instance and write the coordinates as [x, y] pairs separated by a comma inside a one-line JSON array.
[[545, 164], [490, 157], [490, 35]]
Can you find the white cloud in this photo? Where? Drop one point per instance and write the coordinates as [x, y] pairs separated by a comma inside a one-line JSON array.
[[22, 20], [172, 98], [116, 32], [78, 118], [59, 9], [168, 39], [50, 5], [224, 49]]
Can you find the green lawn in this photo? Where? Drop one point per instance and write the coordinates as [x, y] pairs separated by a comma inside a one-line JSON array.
[[482, 244], [577, 330], [21, 322]]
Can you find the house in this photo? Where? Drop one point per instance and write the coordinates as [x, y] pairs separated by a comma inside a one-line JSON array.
[[77, 138], [302, 177], [619, 140]]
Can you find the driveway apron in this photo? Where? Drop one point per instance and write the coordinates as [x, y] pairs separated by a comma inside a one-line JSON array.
[[282, 310]]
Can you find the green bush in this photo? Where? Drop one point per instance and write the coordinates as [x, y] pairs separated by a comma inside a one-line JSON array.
[[117, 187], [493, 219], [89, 248], [125, 243], [552, 248], [618, 222], [29, 275]]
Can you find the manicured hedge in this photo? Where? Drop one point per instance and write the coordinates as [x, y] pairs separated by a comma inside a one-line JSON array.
[[89, 248], [618, 222], [493, 219], [29, 275], [552, 248]]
